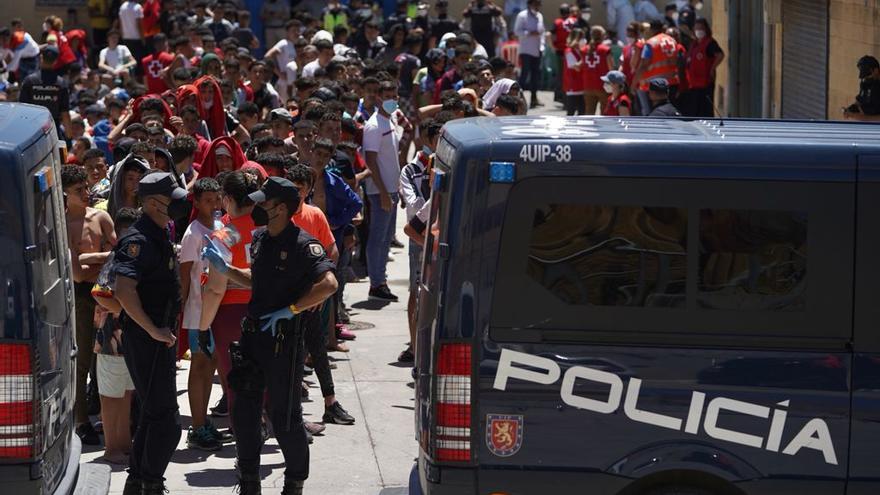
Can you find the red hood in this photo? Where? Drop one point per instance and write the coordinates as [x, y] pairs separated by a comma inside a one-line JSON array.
[[136, 109], [209, 165], [215, 117]]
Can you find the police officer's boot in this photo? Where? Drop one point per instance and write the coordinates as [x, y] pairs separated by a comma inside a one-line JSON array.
[[293, 487], [152, 488], [249, 484], [132, 486]]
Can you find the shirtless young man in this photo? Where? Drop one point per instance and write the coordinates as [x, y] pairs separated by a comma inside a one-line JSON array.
[[90, 236]]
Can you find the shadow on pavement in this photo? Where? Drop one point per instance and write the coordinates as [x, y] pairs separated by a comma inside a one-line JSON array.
[[223, 477], [398, 364], [371, 305]]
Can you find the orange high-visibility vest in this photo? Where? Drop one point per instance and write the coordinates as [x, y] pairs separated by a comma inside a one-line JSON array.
[[664, 61]]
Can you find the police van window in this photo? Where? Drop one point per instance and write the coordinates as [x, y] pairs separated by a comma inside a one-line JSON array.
[[637, 259], [753, 260], [605, 255], [48, 268]]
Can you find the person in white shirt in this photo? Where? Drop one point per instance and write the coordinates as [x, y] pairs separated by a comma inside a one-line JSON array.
[[529, 28], [206, 195], [116, 59], [381, 144], [130, 14], [283, 53], [325, 54]]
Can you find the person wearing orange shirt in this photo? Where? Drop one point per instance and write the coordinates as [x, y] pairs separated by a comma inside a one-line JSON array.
[[224, 303]]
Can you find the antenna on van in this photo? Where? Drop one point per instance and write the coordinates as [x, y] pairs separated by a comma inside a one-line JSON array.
[[720, 117]]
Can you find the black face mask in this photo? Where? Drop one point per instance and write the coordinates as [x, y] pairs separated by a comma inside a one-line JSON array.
[[177, 209], [260, 216]]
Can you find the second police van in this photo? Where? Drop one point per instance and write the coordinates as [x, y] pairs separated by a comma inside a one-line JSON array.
[[658, 307]]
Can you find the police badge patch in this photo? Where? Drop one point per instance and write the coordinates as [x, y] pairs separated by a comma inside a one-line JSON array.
[[133, 250], [504, 434], [316, 250]]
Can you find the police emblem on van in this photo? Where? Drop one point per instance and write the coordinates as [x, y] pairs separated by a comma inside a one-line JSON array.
[[504, 434]]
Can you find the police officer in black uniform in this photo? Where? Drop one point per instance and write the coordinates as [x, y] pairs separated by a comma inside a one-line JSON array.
[[289, 274], [48, 89], [867, 105], [148, 288], [658, 93]]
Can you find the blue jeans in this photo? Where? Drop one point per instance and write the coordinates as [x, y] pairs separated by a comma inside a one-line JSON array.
[[382, 225]]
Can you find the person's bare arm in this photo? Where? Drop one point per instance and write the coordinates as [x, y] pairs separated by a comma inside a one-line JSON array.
[[126, 294], [107, 229], [322, 289], [414, 234], [428, 111], [333, 253], [91, 259], [185, 280], [241, 134], [212, 295]]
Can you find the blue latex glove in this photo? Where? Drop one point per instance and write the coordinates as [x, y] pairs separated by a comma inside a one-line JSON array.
[[212, 254], [284, 313]]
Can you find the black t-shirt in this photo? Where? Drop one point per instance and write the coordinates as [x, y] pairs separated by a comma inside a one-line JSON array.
[[244, 36], [47, 89], [481, 19], [869, 96], [441, 26], [284, 268], [408, 64], [664, 109]]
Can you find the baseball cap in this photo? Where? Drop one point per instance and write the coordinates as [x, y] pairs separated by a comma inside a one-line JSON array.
[[222, 150], [281, 114], [659, 84], [275, 188], [866, 64], [614, 77], [161, 183], [50, 52]]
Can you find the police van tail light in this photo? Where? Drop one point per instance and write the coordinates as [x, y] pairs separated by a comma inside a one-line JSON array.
[[452, 433], [16, 402]]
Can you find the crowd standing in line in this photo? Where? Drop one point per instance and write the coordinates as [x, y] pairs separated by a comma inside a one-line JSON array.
[[197, 171]]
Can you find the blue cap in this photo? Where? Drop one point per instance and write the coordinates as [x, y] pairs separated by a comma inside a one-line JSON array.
[[658, 84], [614, 77]]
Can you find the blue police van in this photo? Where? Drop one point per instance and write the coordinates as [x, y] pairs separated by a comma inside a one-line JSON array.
[[641, 306], [39, 453]]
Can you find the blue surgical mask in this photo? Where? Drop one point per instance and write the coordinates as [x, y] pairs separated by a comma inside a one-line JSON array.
[[426, 149], [450, 53], [389, 106]]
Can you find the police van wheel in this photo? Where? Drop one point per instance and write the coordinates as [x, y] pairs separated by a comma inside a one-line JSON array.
[[678, 490]]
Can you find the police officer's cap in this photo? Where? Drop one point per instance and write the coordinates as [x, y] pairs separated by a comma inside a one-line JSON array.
[[659, 84], [277, 188], [161, 183], [866, 64]]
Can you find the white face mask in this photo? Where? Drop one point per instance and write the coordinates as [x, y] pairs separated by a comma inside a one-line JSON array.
[[698, 6], [700, 34], [630, 40], [582, 44], [45, 26], [586, 16], [608, 87], [208, 104]]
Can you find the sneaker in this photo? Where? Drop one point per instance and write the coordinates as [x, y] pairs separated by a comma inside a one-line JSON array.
[[221, 409], [336, 414], [314, 428], [153, 488], [396, 244], [202, 438], [87, 434], [132, 486], [406, 356], [382, 293], [343, 333], [221, 436], [308, 370]]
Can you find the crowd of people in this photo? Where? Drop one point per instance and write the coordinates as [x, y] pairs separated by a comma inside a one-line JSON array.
[[177, 131], [642, 63]]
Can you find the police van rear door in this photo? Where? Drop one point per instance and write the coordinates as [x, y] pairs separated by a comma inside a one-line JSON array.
[[51, 317], [645, 324]]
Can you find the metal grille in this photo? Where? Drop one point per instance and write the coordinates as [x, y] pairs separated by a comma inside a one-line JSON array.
[[804, 59]]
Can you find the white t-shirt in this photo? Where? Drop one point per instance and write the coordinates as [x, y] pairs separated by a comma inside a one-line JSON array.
[[382, 136], [286, 52], [130, 15], [310, 68], [115, 57], [191, 252]]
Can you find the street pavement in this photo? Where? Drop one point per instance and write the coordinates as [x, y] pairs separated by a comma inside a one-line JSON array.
[[372, 457]]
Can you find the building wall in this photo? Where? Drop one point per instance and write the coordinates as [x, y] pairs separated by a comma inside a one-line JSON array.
[[722, 75], [854, 31]]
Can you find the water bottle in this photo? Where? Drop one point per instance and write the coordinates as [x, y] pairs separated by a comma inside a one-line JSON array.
[[224, 237]]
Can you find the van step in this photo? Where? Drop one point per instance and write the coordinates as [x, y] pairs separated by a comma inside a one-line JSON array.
[[94, 479]]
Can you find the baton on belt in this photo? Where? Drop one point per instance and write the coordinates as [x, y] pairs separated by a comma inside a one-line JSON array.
[[295, 328]]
